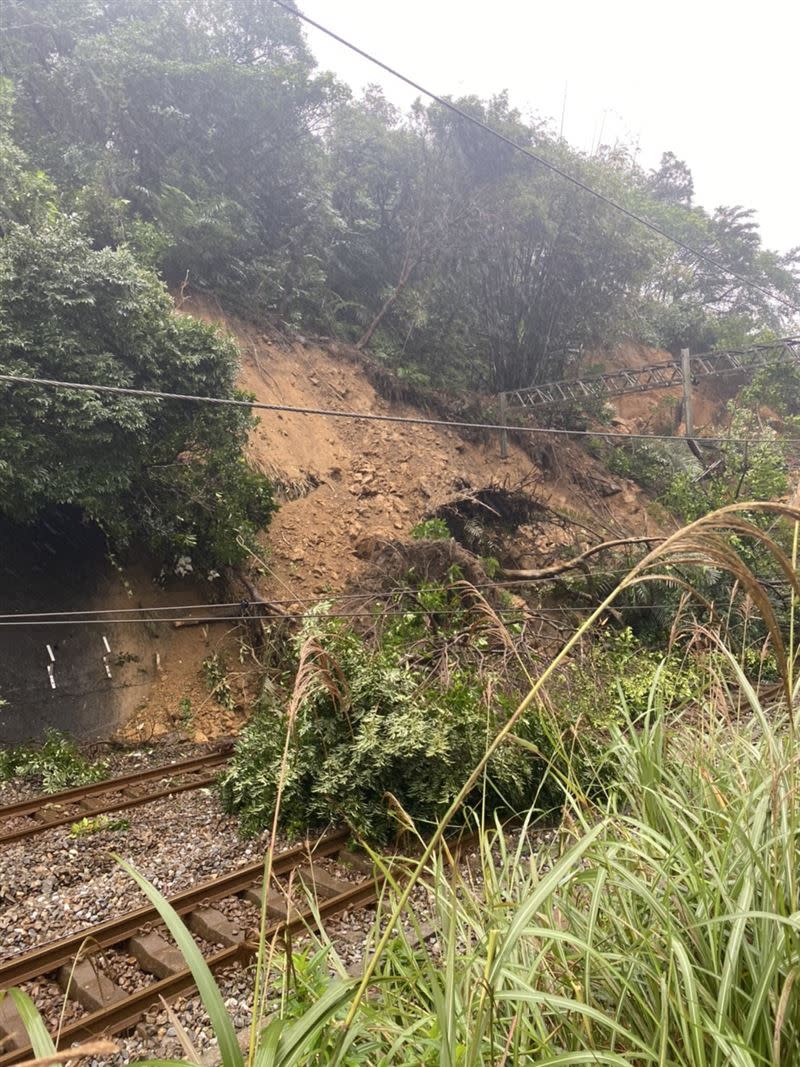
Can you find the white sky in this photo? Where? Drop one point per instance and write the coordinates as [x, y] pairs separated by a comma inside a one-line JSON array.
[[715, 82]]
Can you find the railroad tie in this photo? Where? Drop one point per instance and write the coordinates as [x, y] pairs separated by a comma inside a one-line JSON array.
[[156, 955], [92, 803], [89, 987], [359, 861], [12, 1029], [277, 904], [214, 927], [321, 884]]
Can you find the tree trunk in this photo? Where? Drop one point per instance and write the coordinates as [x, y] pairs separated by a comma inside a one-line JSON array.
[[405, 274]]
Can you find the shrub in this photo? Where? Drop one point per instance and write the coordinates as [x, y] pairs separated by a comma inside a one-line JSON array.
[[219, 686], [431, 530], [658, 928], [610, 684], [646, 464], [370, 735], [750, 471], [56, 764]]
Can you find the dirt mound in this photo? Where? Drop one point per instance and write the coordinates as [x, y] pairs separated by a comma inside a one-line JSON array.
[[340, 480], [351, 491], [394, 562]]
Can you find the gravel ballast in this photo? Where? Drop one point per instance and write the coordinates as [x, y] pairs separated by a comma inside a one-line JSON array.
[[53, 885]]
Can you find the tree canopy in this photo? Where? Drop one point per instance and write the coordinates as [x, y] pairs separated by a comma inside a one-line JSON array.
[[169, 475], [201, 135]]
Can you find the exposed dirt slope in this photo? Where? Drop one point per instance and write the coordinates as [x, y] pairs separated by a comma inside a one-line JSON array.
[[661, 410], [344, 485], [354, 480]]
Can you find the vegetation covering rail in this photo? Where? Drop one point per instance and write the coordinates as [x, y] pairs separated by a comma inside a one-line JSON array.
[[110, 1010], [34, 816]]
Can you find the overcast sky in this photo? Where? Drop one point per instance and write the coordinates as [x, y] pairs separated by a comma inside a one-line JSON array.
[[715, 82]]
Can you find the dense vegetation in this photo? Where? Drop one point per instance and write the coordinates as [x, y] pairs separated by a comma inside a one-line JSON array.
[[196, 140], [147, 145], [172, 477], [366, 716], [656, 924], [374, 728], [200, 134]]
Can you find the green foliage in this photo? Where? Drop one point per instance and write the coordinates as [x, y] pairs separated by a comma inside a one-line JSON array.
[[660, 928], [172, 476], [199, 117], [746, 471], [98, 824], [216, 675], [776, 386], [610, 683], [431, 530], [55, 764], [459, 260], [291, 1037], [656, 926], [491, 566], [756, 471], [24, 194], [370, 735], [185, 712], [644, 463]]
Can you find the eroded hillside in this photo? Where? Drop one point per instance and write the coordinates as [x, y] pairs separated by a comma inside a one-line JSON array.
[[347, 486], [346, 481]]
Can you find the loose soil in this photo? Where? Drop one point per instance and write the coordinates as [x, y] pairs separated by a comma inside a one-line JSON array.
[[344, 485]]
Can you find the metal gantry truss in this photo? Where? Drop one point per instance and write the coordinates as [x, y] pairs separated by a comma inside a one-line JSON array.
[[656, 375]]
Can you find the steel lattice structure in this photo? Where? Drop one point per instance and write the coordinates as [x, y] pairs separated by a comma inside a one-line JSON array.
[[656, 375]]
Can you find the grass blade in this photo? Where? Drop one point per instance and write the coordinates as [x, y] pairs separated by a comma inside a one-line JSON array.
[[206, 985]]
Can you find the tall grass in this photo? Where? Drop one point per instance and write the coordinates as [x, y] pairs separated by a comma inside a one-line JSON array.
[[664, 929]]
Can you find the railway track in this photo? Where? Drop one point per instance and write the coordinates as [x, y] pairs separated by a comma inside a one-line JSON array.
[[76, 962], [34, 816]]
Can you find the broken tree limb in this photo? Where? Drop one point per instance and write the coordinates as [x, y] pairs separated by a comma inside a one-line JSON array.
[[566, 565]]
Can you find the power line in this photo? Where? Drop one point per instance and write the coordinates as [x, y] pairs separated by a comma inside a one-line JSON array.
[[245, 606], [277, 617], [444, 102], [408, 420], [266, 616]]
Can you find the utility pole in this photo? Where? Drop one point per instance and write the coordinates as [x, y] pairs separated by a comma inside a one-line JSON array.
[[688, 415], [687, 393]]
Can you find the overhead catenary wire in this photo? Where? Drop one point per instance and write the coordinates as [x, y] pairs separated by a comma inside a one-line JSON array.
[[253, 609], [370, 416], [323, 616], [543, 161]]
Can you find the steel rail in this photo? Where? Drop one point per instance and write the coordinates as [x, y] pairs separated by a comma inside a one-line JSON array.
[[68, 796], [125, 1014], [50, 803], [115, 931]]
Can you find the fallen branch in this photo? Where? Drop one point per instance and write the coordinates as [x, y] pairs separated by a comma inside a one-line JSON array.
[[567, 565]]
